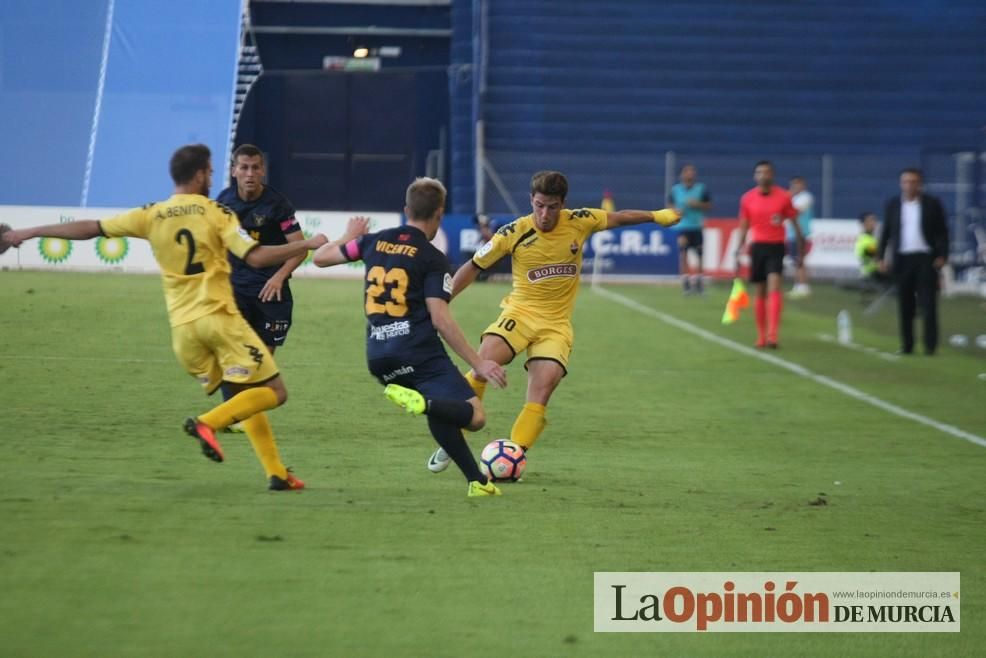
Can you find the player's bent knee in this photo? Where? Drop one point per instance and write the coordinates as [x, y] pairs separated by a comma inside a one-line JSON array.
[[277, 385], [496, 348], [478, 420], [477, 423]]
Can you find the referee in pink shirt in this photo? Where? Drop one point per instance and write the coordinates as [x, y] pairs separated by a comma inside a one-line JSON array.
[[763, 211]]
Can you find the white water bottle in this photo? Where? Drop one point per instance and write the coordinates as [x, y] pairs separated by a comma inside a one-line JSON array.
[[843, 324]]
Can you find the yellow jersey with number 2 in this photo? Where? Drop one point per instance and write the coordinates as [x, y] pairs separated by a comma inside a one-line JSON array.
[[190, 235]]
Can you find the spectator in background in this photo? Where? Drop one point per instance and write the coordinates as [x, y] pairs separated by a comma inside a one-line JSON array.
[[866, 246], [487, 227], [914, 228], [804, 203], [691, 199]]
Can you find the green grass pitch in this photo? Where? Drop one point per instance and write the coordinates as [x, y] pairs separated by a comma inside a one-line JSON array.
[[664, 452]]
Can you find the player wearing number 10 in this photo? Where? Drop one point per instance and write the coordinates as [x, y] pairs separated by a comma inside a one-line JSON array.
[[408, 286], [190, 235], [546, 252]]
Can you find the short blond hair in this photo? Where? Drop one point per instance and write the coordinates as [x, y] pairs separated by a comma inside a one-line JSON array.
[[424, 198]]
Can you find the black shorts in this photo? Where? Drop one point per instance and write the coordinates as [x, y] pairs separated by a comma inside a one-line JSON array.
[[693, 239], [765, 258], [271, 320], [436, 378]]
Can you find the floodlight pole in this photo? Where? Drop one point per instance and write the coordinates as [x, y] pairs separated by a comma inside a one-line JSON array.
[[669, 166], [827, 187]]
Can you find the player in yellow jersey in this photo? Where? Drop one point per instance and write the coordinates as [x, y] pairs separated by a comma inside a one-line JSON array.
[[546, 253], [190, 236]]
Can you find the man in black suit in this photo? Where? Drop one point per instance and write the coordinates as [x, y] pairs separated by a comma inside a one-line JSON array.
[[914, 226]]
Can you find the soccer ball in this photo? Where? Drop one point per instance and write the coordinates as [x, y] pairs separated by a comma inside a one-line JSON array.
[[503, 460], [959, 340]]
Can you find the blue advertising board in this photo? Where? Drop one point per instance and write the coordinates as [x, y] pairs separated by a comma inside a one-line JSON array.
[[643, 250]]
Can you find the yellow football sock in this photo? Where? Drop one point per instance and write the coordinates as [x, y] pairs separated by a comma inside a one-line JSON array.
[[529, 425], [261, 436], [241, 406], [478, 387]]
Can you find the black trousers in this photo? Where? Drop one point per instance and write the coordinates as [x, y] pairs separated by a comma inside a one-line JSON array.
[[917, 286]]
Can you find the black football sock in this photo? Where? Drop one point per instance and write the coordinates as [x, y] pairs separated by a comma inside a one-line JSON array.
[[456, 412], [450, 438]]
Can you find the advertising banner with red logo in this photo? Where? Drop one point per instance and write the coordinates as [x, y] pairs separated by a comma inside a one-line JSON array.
[[832, 248], [720, 239]]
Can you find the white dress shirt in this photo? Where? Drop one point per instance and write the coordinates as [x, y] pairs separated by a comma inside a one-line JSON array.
[[911, 238]]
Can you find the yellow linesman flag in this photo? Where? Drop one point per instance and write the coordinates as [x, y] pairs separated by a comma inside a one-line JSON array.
[[738, 299], [607, 203]]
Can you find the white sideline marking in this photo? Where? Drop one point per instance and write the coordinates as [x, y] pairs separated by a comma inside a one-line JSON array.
[[852, 392], [886, 356]]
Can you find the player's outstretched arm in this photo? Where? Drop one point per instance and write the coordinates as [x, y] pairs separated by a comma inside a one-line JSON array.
[[464, 276], [267, 255], [275, 284], [83, 229], [665, 217], [449, 330], [331, 254]]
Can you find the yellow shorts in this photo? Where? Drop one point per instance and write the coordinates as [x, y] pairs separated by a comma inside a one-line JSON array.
[[221, 347], [541, 340]]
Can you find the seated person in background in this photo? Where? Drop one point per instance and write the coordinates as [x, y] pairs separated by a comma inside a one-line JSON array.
[[487, 227], [871, 278]]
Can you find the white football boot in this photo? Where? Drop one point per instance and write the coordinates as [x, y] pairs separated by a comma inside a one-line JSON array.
[[439, 461]]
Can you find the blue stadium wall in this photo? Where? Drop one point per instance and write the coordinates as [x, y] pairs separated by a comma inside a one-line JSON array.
[[169, 80], [602, 90]]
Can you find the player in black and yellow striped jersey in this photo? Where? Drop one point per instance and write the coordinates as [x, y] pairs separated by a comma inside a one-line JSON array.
[[546, 256], [190, 236]]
